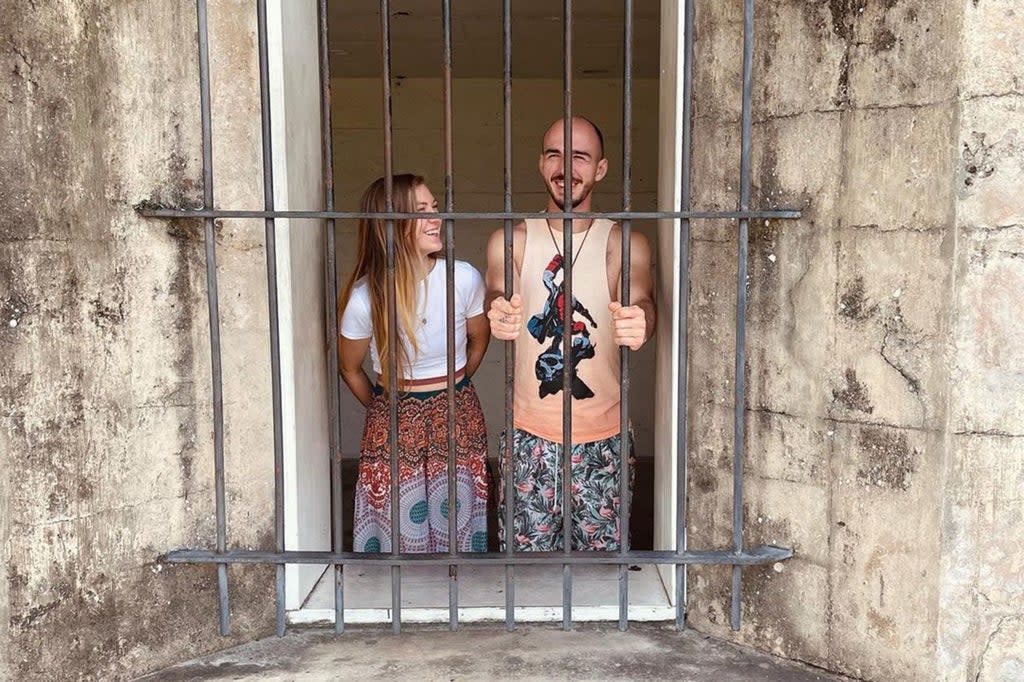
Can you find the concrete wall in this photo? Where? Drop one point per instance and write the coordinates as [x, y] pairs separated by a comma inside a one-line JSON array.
[[478, 160], [883, 410], [885, 407], [981, 624], [105, 424]]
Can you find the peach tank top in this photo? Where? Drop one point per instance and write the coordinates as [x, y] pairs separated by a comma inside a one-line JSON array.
[[539, 362]]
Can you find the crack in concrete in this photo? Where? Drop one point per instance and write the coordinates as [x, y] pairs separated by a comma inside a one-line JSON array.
[[912, 382], [915, 229], [777, 413], [841, 109], [29, 73], [991, 228], [991, 433], [99, 512], [988, 644], [993, 95], [861, 422]]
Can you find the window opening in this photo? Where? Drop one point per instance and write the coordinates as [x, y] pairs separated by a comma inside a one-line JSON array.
[[736, 556]]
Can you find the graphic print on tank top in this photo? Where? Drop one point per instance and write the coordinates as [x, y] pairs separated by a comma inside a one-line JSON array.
[[549, 324]]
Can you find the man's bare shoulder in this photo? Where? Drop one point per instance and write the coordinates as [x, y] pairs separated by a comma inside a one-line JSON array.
[[518, 231], [636, 239]]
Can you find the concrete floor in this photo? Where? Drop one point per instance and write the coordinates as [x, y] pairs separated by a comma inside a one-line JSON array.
[[485, 652]]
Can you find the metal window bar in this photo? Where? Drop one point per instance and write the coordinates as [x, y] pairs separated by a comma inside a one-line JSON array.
[[683, 315], [331, 310], [737, 557], [567, 255], [741, 310], [624, 273], [151, 211], [393, 341], [510, 349], [449, 233], [213, 305], [275, 337]]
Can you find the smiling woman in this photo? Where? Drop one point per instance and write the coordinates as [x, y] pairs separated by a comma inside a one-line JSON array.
[[419, 343]]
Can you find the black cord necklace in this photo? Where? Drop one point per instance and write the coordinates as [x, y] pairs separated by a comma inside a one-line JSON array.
[[582, 241]]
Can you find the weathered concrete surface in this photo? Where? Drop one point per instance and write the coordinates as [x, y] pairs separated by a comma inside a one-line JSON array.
[[104, 381], [884, 407], [981, 628], [646, 652]]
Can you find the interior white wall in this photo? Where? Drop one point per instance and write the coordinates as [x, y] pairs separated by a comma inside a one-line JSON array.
[[295, 105]]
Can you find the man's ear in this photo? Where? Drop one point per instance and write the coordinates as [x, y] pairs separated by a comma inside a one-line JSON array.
[[540, 164], [602, 169]]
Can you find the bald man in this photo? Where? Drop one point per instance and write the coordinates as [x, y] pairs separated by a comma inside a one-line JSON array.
[[536, 319]]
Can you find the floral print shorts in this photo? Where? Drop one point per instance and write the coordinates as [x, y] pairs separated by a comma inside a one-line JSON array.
[[537, 478]]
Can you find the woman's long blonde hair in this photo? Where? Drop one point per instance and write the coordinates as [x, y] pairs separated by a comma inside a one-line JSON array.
[[371, 263]]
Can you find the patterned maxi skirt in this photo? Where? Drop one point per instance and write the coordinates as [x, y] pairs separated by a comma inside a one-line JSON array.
[[423, 474]]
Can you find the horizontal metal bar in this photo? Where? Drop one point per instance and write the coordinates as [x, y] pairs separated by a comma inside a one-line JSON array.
[[175, 213], [765, 554]]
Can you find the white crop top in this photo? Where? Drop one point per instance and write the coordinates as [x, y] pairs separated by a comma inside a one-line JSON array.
[[432, 307]]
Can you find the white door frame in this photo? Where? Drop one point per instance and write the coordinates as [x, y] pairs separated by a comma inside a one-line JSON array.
[[295, 106], [666, 399]]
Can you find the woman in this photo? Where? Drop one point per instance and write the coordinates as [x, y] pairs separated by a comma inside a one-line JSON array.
[[421, 351]]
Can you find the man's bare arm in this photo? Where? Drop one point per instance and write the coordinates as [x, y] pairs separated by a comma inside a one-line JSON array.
[[495, 277], [505, 315], [633, 325], [641, 279]]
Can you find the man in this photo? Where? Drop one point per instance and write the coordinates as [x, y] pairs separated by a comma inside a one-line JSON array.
[[537, 317]]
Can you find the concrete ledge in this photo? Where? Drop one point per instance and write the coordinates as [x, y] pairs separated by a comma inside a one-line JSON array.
[[646, 651]]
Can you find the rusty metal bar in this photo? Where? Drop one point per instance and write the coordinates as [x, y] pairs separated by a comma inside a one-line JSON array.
[[147, 211], [449, 235], [625, 500], [213, 306], [741, 311], [331, 310], [765, 554], [683, 307], [567, 369], [275, 340], [393, 335], [510, 348]]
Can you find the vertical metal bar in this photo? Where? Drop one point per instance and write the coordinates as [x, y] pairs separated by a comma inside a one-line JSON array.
[[683, 306], [331, 310], [741, 310], [449, 234], [567, 369], [213, 306], [624, 298], [275, 340], [393, 336], [510, 348]]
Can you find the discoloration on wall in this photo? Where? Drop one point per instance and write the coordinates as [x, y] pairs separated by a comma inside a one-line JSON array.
[[980, 633], [104, 388], [851, 393], [887, 458]]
